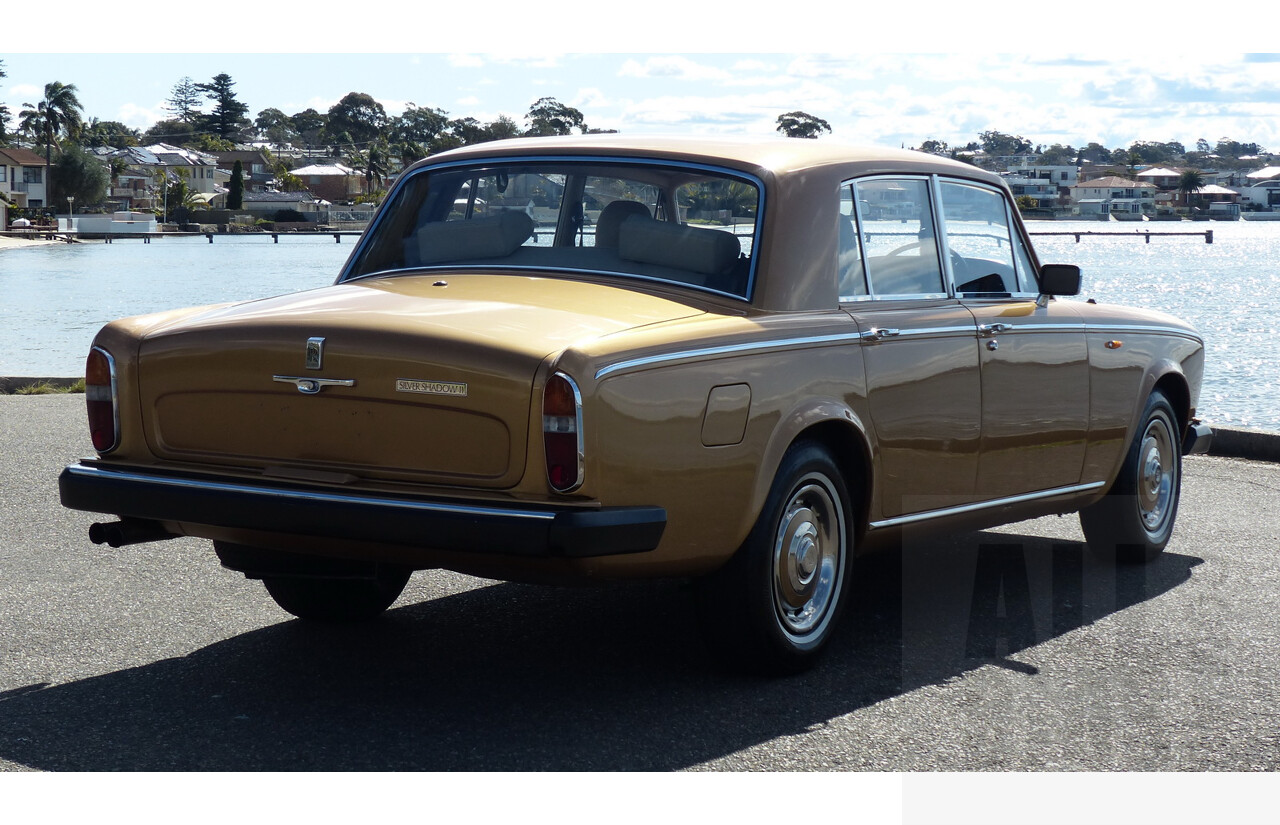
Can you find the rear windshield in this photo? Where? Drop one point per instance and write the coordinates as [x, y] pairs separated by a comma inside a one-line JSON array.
[[676, 223]]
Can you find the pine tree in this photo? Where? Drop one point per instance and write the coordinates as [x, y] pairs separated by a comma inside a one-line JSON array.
[[229, 115], [235, 194]]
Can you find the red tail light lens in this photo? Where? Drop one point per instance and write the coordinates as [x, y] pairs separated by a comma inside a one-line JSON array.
[[100, 397], [562, 432]]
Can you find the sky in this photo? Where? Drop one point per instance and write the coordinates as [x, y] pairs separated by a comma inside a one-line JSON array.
[[952, 88]]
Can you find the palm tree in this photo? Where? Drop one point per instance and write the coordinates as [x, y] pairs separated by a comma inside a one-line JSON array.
[[58, 113], [1190, 182]]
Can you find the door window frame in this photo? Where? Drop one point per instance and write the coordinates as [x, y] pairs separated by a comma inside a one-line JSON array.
[[1025, 264]]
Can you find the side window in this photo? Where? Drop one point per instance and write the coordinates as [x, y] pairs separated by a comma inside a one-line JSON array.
[[851, 274], [898, 237], [986, 255]]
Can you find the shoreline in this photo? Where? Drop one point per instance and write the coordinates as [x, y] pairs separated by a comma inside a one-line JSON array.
[[7, 242]]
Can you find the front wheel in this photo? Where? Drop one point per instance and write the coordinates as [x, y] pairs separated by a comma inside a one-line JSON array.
[[1135, 519], [773, 607]]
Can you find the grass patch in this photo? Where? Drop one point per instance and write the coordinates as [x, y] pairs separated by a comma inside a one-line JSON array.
[[48, 388]]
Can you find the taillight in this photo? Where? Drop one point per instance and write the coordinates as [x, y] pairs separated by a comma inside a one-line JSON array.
[[562, 432], [100, 397]]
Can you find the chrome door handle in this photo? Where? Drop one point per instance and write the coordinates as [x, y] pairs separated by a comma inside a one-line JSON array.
[[879, 334], [993, 329]]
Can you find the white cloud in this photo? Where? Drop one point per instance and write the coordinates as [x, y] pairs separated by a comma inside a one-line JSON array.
[[25, 92], [141, 117], [675, 67]]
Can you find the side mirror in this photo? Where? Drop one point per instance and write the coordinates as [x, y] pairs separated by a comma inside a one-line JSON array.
[[1058, 279]]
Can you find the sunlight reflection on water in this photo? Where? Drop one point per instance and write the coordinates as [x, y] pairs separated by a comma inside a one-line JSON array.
[[57, 297]]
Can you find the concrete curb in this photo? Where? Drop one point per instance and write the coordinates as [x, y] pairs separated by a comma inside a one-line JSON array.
[[1255, 445]]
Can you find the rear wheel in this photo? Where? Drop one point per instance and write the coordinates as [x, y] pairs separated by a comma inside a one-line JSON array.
[[1135, 519], [773, 607]]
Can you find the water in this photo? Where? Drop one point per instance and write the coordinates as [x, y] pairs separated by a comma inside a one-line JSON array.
[[58, 296], [1224, 289]]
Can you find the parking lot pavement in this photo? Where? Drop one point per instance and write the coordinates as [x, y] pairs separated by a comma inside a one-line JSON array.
[[1002, 650]]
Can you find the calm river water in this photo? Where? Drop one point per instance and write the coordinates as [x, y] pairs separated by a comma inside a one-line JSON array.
[[56, 297]]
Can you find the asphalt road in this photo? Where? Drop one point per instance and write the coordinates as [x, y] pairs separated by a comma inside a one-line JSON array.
[[1004, 650]]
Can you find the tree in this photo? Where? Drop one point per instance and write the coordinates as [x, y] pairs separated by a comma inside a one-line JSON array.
[[501, 129], [228, 115], [58, 113], [310, 125], [205, 142], [422, 127], [998, 144], [4, 114], [1095, 153], [80, 175], [179, 199], [802, 125], [1058, 155], [359, 116], [113, 133], [276, 126], [235, 188], [184, 102], [1229, 148], [548, 116], [173, 132], [935, 147], [1190, 182]]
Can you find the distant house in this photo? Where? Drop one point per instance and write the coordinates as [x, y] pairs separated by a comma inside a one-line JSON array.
[[333, 182], [266, 204], [1263, 189], [1111, 195], [1046, 185], [1160, 177], [254, 164], [22, 178], [150, 163]]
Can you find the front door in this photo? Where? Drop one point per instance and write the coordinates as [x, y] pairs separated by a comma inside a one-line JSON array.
[[1034, 359]]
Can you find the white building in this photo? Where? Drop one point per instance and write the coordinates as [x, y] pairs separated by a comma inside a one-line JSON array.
[[1113, 195]]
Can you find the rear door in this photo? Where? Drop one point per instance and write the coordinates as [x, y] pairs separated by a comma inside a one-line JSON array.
[[919, 347]]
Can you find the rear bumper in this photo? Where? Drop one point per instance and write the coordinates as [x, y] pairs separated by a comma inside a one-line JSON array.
[[436, 524], [1197, 440]]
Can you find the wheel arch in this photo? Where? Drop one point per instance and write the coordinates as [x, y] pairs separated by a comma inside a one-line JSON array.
[[839, 430], [1173, 385]]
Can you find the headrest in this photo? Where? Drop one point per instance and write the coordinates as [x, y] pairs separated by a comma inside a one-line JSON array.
[[611, 218], [707, 251], [496, 236]]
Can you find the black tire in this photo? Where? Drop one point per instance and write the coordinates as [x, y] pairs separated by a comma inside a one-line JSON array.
[[1134, 522], [773, 607], [338, 600]]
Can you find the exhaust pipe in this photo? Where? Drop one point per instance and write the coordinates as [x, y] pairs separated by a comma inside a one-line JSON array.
[[128, 531]]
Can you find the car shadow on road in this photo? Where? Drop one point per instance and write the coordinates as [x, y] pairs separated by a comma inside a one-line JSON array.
[[516, 677]]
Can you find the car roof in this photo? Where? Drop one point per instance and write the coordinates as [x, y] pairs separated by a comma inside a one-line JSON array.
[[769, 155]]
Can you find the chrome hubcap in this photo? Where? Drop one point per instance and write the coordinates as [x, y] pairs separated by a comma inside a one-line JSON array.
[[1157, 475], [808, 557]]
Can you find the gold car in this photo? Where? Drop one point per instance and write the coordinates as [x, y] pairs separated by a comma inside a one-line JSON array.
[[594, 358]]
